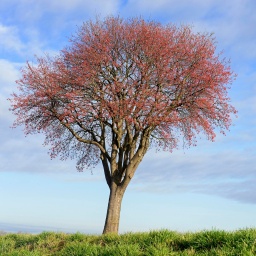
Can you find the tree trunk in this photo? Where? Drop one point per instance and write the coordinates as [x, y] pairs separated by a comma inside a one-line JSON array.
[[114, 209]]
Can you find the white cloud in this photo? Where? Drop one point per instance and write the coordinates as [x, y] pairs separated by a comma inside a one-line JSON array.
[[14, 43], [9, 39], [9, 73], [18, 43]]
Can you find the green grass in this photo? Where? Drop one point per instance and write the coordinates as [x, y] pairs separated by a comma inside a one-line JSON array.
[[163, 242]]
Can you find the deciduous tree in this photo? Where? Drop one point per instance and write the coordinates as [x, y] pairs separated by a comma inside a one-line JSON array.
[[121, 87]]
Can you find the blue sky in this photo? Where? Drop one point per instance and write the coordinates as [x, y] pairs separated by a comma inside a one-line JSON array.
[[204, 187]]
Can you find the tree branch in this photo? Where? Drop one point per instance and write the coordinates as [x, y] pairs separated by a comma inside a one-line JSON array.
[[106, 170]]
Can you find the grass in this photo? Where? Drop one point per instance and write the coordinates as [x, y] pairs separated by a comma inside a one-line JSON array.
[[159, 243]]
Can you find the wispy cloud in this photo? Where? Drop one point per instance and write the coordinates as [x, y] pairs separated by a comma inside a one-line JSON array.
[[170, 10], [227, 172], [30, 12]]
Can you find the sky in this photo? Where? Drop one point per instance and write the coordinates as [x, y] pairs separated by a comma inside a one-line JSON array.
[[210, 186]]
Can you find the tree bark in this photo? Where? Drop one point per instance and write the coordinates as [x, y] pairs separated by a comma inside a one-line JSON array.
[[114, 209]]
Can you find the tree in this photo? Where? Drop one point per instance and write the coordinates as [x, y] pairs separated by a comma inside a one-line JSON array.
[[121, 87]]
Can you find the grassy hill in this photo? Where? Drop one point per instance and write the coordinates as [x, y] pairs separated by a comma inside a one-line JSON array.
[[163, 242]]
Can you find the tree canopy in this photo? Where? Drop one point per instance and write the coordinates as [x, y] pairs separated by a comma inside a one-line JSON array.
[[122, 86]]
